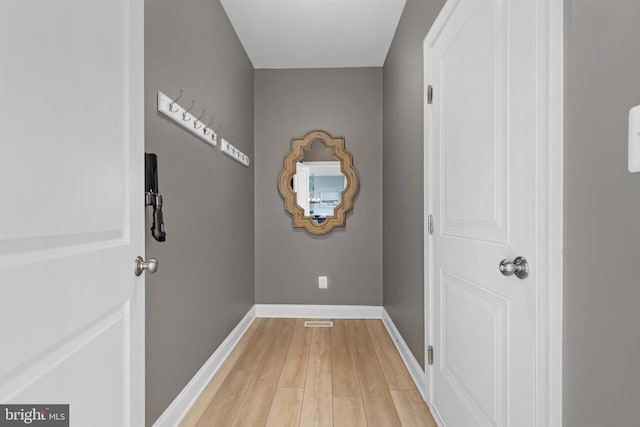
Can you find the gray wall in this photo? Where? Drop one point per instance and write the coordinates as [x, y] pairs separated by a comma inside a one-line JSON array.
[[344, 102], [204, 285], [403, 171], [601, 215]]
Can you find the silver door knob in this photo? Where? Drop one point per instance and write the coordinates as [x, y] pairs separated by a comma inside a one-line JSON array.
[[142, 265], [519, 266]]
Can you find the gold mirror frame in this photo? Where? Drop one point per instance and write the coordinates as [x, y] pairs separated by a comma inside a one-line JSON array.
[[338, 219]]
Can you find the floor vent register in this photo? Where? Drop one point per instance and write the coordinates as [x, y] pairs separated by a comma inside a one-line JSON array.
[[318, 324]]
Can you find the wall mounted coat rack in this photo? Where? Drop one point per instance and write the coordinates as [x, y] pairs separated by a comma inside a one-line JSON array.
[[233, 152], [183, 117]]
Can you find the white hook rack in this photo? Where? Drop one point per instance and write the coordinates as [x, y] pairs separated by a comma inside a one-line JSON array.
[[185, 119], [234, 153]]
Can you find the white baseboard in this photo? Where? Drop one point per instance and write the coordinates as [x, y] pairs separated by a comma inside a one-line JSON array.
[[414, 368], [177, 410], [319, 311], [436, 416]]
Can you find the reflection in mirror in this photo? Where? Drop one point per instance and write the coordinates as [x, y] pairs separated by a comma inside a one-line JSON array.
[[318, 182], [318, 186]]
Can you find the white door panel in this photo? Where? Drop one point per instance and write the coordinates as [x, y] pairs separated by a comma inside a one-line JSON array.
[[76, 366], [473, 159], [474, 318], [63, 80], [482, 190], [72, 216]]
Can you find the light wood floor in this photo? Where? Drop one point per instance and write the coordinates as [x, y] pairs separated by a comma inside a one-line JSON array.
[[283, 374]]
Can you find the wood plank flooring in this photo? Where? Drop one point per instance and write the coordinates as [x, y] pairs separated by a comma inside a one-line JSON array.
[[282, 374]]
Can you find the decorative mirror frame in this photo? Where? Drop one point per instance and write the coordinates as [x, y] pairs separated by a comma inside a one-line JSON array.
[[338, 219]]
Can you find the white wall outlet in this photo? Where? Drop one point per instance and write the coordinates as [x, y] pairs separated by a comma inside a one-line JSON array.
[[634, 139], [322, 282]]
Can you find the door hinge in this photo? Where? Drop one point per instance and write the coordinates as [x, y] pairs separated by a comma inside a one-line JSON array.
[[430, 224], [430, 355], [429, 94]]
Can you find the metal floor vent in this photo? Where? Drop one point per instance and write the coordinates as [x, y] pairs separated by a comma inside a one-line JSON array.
[[318, 324]]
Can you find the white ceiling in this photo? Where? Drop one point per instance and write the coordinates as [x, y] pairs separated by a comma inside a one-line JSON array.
[[315, 33]]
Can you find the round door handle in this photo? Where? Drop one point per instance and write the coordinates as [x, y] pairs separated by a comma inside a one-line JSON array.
[[519, 266], [142, 265]]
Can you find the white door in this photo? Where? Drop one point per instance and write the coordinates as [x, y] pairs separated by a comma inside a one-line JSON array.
[[480, 59], [72, 208], [301, 186]]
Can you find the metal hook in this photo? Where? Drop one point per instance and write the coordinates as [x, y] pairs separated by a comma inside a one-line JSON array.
[[198, 120], [184, 115], [174, 101], [215, 136], [208, 127]]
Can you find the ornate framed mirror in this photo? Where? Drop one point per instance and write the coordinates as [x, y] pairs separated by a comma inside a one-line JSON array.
[[318, 182]]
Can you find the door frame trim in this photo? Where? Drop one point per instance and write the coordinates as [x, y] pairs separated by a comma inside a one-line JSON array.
[[549, 202]]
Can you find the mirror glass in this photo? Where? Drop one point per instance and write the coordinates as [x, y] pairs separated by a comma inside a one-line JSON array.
[[318, 182]]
